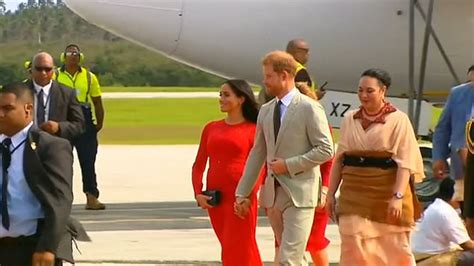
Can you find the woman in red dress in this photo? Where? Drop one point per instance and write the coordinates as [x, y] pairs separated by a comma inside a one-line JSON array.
[[226, 145]]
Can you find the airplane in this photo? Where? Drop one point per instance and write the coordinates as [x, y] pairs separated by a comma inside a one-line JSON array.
[[228, 38]]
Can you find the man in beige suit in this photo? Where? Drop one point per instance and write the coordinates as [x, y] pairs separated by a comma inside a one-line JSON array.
[[293, 139]]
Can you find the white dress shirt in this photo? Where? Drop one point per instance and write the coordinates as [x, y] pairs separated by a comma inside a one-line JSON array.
[[24, 208], [46, 100], [439, 230], [286, 100]]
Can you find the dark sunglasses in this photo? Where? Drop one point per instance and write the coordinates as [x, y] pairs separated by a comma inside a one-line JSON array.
[[73, 54], [303, 49], [45, 69]]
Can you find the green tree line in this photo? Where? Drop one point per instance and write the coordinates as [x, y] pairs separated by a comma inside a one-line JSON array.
[[49, 26]]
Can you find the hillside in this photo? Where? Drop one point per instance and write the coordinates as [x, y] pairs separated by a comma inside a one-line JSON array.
[[50, 27]]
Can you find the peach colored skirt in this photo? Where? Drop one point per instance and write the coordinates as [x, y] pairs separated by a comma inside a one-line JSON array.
[[367, 243]]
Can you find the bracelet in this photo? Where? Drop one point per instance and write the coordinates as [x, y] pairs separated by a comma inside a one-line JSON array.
[[324, 190]]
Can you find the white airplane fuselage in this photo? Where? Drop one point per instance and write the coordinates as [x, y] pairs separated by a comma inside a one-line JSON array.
[[229, 37]]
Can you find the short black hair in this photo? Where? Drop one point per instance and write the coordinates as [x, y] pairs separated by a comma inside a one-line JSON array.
[[21, 91], [73, 45], [471, 68], [381, 75], [446, 189]]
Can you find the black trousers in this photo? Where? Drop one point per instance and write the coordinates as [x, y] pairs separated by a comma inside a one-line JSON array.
[[86, 146], [19, 251]]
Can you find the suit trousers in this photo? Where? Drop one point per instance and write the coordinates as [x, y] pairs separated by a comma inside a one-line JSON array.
[[86, 146], [291, 226], [18, 251]]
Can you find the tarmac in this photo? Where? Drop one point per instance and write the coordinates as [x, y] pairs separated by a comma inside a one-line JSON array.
[[151, 216]]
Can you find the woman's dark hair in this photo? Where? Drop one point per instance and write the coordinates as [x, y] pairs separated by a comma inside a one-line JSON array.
[[242, 89], [381, 75]]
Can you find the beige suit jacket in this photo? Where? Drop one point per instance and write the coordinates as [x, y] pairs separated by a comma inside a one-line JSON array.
[[304, 141]]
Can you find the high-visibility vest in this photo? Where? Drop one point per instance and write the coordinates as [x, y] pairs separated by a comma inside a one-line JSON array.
[[299, 67], [81, 82]]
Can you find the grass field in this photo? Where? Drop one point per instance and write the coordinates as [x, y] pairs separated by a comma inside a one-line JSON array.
[[164, 89], [157, 121], [158, 89]]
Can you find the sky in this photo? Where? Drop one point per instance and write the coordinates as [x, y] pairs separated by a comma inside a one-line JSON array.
[[12, 4]]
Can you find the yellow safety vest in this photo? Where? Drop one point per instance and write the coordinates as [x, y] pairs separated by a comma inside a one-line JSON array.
[[299, 67], [82, 81]]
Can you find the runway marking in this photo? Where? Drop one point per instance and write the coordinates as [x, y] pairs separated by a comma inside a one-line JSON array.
[[207, 217], [133, 220], [199, 218], [138, 209]]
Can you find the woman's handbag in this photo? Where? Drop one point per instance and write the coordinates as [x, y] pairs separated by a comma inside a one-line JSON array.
[[215, 196]]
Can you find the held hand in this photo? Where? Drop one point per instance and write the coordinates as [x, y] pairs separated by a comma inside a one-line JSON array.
[[43, 259], [51, 127], [322, 203], [242, 207], [439, 169], [331, 207], [394, 212], [202, 199], [278, 166]]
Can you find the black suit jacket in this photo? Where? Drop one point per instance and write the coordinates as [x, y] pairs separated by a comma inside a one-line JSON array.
[[64, 109], [47, 164]]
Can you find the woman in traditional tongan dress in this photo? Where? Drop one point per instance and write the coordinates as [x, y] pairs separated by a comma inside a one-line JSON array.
[[469, 177], [377, 159]]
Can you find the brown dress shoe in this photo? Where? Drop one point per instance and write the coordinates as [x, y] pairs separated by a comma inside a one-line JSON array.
[[93, 203]]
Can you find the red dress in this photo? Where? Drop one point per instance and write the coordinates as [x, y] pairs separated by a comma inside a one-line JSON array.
[[227, 148], [317, 239]]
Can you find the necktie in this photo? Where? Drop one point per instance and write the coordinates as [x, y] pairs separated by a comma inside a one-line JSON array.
[[276, 118], [6, 159], [40, 110]]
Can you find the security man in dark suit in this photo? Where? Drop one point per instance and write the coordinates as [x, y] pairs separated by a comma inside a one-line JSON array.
[[57, 110], [36, 186]]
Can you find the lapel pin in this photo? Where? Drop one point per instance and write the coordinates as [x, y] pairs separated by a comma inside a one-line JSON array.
[[33, 146]]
